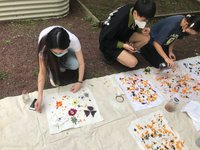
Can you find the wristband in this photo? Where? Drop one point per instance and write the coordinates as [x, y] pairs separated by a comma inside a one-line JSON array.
[[80, 81]]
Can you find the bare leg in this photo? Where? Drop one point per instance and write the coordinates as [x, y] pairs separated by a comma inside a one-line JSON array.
[[139, 40], [127, 59]]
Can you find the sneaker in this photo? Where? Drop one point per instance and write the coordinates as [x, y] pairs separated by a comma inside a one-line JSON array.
[[163, 66]]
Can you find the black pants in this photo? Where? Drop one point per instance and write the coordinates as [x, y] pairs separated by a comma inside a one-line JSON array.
[[152, 56]]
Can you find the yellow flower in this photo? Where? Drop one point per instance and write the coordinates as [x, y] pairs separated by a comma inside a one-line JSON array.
[[75, 103]]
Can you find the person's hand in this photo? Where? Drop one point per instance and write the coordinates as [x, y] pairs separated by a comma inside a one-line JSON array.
[[75, 87], [146, 31], [129, 48], [172, 56], [38, 105], [169, 62]]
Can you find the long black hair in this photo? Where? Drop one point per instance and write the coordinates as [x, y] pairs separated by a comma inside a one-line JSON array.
[[56, 38]]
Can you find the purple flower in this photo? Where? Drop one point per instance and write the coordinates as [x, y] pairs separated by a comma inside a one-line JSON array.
[[72, 112]]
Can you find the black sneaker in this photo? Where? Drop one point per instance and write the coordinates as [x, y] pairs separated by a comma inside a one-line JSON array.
[[108, 60]]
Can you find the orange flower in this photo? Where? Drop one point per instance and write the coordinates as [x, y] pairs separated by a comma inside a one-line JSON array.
[[148, 146], [184, 91], [58, 104]]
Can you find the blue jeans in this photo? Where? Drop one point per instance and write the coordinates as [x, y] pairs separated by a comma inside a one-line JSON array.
[[69, 61]]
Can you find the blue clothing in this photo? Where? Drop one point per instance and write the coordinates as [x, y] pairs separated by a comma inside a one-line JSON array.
[[69, 60], [167, 30]]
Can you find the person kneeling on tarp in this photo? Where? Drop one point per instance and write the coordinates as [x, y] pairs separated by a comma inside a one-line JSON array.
[[163, 34], [58, 50], [124, 32]]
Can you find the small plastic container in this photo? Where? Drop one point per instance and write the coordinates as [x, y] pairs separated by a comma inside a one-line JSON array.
[[172, 105]]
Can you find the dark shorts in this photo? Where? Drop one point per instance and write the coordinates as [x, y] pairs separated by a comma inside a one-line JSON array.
[[152, 56], [112, 53], [107, 48]]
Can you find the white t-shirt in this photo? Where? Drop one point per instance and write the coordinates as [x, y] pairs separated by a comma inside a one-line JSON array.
[[74, 42]]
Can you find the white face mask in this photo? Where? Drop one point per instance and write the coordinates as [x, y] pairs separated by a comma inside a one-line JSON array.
[[60, 55], [140, 24]]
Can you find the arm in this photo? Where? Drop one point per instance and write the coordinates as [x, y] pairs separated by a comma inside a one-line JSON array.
[[161, 52], [146, 31], [110, 34], [77, 85], [41, 82], [115, 24], [112, 39], [171, 53]]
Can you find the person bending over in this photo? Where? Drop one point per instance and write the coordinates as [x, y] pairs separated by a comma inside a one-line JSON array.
[[124, 32], [163, 35], [58, 50]]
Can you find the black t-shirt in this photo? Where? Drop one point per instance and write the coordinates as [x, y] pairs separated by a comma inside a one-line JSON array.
[[118, 28]]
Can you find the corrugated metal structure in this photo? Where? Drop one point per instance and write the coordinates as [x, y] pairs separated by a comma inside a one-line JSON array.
[[24, 9]]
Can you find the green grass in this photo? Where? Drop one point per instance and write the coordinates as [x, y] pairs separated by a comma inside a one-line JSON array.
[[19, 26], [35, 72], [7, 41], [30, 23], [3, 75], [88, 18], [93, 24]]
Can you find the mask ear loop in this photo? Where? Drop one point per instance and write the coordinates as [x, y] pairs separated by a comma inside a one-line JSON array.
[[192, 25]]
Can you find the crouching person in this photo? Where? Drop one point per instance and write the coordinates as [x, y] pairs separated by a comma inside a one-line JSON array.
[[58, 50], [124, 32]]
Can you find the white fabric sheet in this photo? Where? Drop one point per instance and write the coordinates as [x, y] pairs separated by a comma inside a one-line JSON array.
[[23, 129]]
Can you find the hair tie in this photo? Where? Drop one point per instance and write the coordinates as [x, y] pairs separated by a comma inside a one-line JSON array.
[[188, 16]]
